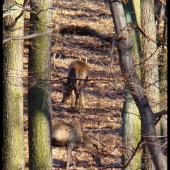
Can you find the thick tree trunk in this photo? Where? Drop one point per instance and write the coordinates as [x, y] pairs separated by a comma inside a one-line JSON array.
[[134, 85], [39, 93], [150, 56], [131, 132], [131, 127], [13, 129], [150, 76]]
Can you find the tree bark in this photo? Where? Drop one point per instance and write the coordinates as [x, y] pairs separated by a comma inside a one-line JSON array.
[[131, 132], [39, 93], [150, 76], [134, 85], [131, 127], [13, 128], [163, 89]]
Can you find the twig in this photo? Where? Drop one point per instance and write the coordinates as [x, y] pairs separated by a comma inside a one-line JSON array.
[[159, 115], [133, 153]]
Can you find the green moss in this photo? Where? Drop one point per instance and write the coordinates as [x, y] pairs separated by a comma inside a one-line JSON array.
[[131, 131]]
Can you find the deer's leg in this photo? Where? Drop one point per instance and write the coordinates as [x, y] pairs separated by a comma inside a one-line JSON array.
[[83, 85], [76, 90], [72, 93], [74, 164], [81, 96], [77, 96], [82, 100], [69, 154]]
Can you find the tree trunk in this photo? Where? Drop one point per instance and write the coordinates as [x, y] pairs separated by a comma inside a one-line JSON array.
[[131, 128], [163, 89], [39, 93], [150, 76], [13, 129], [131, 132], [150, 56], [134, 85]]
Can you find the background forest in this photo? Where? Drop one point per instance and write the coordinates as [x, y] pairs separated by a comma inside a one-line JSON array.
[[125, 46]]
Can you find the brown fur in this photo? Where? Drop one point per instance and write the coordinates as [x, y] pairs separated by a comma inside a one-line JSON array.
[[78, 69], [71, 136]]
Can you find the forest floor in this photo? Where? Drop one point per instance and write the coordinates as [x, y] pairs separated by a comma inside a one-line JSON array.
[[103, 96]]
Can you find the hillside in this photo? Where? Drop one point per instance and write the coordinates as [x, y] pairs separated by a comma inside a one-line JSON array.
[[101, 118]]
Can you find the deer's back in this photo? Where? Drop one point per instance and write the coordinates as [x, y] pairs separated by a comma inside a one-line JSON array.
[[62, 133], [78, 69]]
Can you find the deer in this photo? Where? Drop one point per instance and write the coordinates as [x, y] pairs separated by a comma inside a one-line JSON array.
[[77, 78], [71, 136]]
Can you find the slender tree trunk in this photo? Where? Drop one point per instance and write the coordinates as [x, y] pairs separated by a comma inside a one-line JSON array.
[[39, 93], [131, 128], [160, 8], [13, 129], [134, 85], [163, 90]]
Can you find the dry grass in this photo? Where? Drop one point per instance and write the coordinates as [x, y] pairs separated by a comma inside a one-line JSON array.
[[101, 119]]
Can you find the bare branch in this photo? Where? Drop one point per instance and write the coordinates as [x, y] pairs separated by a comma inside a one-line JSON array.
[[125, 166], [159, 43], [28, 36], [160, 114], [133, 153]]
